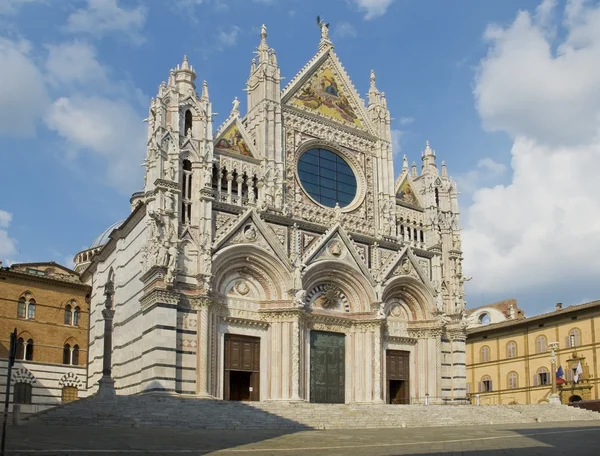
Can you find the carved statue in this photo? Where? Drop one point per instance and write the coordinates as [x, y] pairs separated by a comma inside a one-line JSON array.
[[324, 28], [299, 299], [162, 257], [169, 200], [173, 252], [169, 171], [208, 176], [236, 106], [278, 197]]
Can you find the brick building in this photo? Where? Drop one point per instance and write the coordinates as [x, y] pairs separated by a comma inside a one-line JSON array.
[[48, 305], [508, 355]]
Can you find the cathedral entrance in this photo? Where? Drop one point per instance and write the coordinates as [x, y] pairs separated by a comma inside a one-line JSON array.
[[242, 368], [397, 376], [327, 367]]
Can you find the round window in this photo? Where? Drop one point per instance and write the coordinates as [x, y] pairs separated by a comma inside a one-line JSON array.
[[326, 177]]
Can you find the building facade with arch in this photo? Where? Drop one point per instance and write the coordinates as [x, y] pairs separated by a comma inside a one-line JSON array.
[[49, 307], [508, 359], [278, 256]]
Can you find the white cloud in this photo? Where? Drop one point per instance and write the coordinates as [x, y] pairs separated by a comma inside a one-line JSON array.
[[23, 96], [106, 17], [74, 62], [485, 173], [111, 129], [7, 244], [373, 8], [12, 6], [227, 39], [540, 232], [406, 120], [396, 148], [344, 30]]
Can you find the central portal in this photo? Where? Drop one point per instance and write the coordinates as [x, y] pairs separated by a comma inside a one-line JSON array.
[[242, 368], [327, 367]]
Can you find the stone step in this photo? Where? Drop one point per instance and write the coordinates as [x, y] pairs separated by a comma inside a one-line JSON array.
[[165, 411]]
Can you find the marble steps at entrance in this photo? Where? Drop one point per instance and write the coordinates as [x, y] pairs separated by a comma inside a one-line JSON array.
[[168, 411]]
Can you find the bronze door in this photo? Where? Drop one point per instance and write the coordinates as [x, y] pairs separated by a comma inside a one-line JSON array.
[[327, 367], [241, 379], [397, 376]]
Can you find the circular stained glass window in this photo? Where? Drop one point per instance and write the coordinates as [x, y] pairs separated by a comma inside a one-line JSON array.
[[327, 177]]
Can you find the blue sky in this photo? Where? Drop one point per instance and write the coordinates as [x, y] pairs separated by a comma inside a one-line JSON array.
[[507, 92]]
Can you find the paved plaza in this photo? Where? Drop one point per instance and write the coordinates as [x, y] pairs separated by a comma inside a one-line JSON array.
[[580, 438]]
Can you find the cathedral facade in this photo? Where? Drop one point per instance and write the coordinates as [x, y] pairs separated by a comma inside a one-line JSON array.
[[277, 257]]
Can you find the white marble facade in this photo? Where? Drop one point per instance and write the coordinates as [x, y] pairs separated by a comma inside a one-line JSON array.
[[228, 238]]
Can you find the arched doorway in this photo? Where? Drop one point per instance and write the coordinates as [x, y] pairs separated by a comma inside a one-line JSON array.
[[575, 398]]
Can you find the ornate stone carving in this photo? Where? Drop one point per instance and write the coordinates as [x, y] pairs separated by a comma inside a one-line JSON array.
[[335, 248]]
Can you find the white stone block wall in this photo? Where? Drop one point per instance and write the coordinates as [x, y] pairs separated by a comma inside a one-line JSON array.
[[127, 324], [47, 381]]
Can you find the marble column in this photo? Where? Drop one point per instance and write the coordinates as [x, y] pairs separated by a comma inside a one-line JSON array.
[[106, 385]]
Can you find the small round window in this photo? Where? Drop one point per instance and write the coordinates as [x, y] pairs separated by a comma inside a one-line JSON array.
[[326, 177]]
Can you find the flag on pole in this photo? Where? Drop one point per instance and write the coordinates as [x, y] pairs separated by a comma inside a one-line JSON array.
[[578, 372], [560, 376]]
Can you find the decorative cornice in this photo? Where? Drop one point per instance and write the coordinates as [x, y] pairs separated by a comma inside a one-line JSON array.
[[40, 279], [159, 296], [401, 339]]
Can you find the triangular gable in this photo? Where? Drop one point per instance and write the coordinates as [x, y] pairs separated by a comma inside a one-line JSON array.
[[234, 139], [324, 89], [327, 247], [249, 228], [405, 194], [398, 266]]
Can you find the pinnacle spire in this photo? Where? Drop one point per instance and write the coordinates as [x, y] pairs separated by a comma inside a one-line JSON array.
[[204, 90], [404, 163], [373, 92]]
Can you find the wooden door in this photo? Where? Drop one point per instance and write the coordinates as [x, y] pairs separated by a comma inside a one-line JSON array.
[[397, 376], [241, 379], [327, 367]]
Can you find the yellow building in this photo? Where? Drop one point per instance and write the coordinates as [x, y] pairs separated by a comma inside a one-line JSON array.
[[508, 355]]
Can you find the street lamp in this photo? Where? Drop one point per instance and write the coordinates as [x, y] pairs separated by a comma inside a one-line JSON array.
[[554, 398]]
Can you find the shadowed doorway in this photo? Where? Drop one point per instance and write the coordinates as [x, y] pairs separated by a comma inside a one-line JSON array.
[[242, 368]]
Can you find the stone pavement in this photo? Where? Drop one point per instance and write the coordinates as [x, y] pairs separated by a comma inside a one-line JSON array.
[[546, 439]]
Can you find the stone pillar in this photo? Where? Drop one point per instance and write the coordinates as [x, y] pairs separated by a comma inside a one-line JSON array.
[[106, 385], [203, 352]]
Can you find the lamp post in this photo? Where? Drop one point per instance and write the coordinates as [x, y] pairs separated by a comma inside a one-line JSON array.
[[554, 397]]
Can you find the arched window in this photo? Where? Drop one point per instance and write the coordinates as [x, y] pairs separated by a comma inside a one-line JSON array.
[[69, 394], [511, 349], [22, 308], [513, 380], [75, 356], [574, 339], [186, 192], [31, 309], [542, 377], [484, 354], [22, 393], [29, 350], [76, 314], [437, 198], [20, 352], [541, 344], [485, 385], [485, 318], [68, 314], [66, 354], [188, 122]]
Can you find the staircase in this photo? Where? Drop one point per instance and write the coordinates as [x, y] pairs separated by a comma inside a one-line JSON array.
[[170, 412]]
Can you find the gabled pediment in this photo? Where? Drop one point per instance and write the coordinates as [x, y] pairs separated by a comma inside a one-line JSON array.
[[336, 245], [324, 89], [232, 138], [250, 229], [406, 194], [406, 263]]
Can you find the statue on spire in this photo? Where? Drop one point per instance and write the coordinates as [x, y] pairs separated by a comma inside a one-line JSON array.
[[324, 29]]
